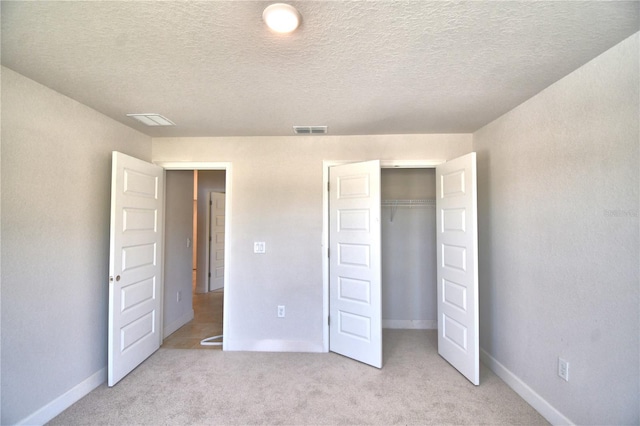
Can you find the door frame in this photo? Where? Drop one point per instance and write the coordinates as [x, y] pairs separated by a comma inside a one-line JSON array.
[[228, 168], [326, 165]]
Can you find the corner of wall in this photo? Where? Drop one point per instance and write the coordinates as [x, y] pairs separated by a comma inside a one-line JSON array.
[[554, 173]]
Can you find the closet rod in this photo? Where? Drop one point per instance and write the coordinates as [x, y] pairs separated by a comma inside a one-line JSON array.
[[394, 204]]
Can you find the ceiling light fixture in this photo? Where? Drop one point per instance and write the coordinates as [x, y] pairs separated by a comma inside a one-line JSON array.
[[281, 18]]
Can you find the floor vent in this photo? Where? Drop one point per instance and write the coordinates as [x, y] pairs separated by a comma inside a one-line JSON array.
[[310, 130]]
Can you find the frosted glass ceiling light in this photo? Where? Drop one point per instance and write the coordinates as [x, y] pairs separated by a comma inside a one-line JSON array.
[[281, 18]]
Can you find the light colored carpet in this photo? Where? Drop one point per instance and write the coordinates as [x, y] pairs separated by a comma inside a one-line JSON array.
[[416, 386]]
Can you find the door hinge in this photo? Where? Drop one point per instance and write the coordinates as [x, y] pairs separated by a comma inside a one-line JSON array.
[[210, 202], [328, 186], [328, 253], [328, 320], [209, 274]]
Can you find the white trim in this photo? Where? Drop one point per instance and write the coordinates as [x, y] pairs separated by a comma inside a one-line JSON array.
[[325, 258], [207, 246], [228, 168], [272, 345], [192, 165], [541, 405], [410, 324], [162, 255], [66, 400], [410, 164], [326, 164], [174, 326]]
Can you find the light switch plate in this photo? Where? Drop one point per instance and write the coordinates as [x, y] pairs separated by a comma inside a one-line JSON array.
[[259, 247]]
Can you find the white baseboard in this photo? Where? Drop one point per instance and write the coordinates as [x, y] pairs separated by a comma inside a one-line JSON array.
[[274, 346], [66, 400], [541, 405], [410, 324], [174, 326]]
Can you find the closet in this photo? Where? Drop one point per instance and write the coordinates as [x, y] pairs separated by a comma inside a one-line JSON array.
[[408, 227], [383, 262]]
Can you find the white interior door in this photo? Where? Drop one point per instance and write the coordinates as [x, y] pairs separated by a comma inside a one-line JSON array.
[[355, 323], [457, 270], [216, 240], [135, 266]]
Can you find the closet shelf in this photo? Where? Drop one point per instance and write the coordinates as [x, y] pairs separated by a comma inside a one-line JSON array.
[[410, 203], [394, 204]]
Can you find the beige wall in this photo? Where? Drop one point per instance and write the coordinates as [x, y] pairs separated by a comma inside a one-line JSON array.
[[56, 175], [177, 255], [559, 240], [277, 192]]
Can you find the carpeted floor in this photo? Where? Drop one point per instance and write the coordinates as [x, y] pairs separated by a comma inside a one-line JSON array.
[[416, 386]]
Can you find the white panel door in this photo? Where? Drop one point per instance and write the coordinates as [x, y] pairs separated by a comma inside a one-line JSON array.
[[216, 241], [457, 270], [355, 324], [135, 267]]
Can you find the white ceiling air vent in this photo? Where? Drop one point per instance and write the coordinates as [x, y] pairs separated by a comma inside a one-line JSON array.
[[152, 119], [310, 130]]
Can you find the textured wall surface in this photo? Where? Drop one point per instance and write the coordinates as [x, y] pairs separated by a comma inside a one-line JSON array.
[[559, 239], [56, 175], [277, 198]]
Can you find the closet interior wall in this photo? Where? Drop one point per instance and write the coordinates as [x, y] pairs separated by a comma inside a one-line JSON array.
[[408, 249]]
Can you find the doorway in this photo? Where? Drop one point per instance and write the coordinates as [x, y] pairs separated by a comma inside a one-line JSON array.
[[221, 181], [353, 241], [208, 181], [408, 227], [409, 164], [208, 295], [191, 316]]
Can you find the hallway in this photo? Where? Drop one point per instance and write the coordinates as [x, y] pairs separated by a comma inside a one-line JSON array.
[[207, 322]]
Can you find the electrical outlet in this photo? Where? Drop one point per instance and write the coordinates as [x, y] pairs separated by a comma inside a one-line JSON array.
[[259, 247], [563, 369], [280, 311], [179, 296]]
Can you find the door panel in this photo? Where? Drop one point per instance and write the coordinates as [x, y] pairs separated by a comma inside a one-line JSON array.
[[216, 247], [135, 269], [457, 270], [355, 328]]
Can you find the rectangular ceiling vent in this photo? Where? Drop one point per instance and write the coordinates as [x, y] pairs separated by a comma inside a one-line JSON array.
[[310, 130], [152, 119]]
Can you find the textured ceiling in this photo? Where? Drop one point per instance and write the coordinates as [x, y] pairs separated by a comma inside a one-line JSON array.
[[359, 67]]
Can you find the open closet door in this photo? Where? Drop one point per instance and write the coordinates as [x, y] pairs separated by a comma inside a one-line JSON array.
[[355, 309], [457, 270], [135, 266]]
